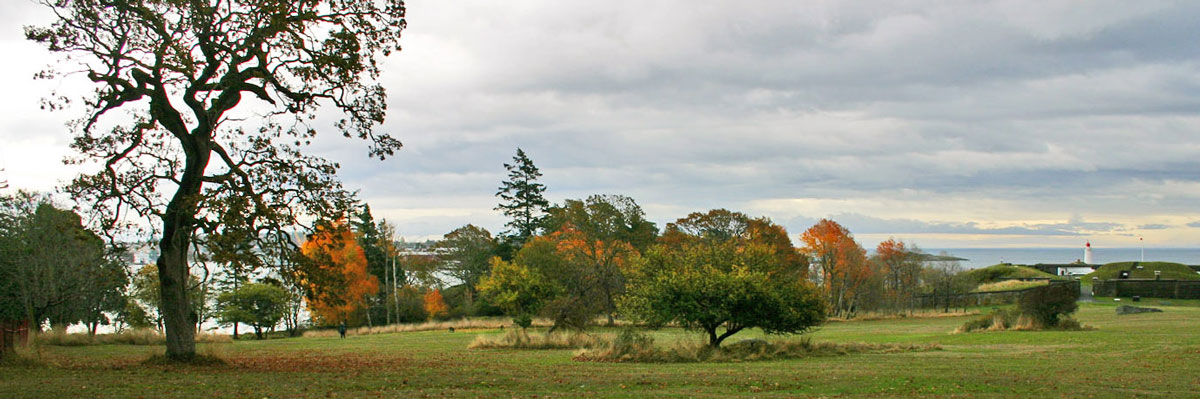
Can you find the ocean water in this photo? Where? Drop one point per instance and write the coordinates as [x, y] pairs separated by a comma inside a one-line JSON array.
[[983, 257]]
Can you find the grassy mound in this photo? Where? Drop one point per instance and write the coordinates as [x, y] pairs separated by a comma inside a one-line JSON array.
[[1170, 271], [995, 273]]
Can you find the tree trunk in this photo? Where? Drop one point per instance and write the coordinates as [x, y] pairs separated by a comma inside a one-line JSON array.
[[178, 225], [177, 316]]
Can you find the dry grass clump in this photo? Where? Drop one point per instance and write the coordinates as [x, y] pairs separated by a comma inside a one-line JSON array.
[[916, 314], [127, 337], [631, 346], [1010, 285], [1013, 320], [475, 323], [520, 339]]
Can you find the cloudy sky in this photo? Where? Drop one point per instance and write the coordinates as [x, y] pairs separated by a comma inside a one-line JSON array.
[[974, 124]]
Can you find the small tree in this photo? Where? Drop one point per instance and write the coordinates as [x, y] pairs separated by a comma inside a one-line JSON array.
[[465, 254], [259, 305], [1049, 303], [518, 290], [701, 297], [434, 305], [721, 288]]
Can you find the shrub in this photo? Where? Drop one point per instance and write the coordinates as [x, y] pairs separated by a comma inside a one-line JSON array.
[[998, 320], [1047, 304]]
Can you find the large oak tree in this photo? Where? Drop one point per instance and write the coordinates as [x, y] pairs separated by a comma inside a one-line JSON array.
[[179, 71]]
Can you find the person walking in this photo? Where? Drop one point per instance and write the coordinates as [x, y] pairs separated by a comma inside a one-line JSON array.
[[342, 329]]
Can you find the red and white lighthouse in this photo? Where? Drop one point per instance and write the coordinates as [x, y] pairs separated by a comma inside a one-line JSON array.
[[1087, 253]]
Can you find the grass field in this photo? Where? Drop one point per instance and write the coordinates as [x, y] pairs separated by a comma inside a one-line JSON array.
[[1145, 355]]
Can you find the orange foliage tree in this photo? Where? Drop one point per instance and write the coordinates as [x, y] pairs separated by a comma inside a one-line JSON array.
[[901, 266], [841, 266], [338, 284], [435, 306]]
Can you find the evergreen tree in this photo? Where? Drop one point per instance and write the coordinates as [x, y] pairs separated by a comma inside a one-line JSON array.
[[521, 198], [375, 246]]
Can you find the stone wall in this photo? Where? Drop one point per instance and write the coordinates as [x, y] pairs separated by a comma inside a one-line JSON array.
[[1174, 289]]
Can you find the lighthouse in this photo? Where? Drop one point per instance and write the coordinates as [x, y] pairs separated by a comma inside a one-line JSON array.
[[1087, 253]]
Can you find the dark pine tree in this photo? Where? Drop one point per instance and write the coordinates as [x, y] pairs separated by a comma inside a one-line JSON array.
[[521, 199]]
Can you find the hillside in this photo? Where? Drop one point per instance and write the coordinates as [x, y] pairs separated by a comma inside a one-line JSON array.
[[1170, 271], [1003, 271]]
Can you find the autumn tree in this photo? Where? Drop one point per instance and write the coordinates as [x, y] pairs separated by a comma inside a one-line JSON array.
[[900, 264], [434, 305], [521, 198], [182, 73], [465, 255], [709, 273], [338, 283], [841, 265]]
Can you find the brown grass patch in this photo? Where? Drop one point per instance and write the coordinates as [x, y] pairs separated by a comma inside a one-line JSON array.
[[634, 347]]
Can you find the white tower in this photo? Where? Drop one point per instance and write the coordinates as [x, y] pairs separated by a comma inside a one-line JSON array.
[[1087, 253]]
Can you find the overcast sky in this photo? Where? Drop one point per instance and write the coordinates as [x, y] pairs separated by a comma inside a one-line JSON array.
[[974, 124]]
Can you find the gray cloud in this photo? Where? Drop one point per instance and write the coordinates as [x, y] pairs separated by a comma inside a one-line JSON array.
[[863, 224], [1050, 109]]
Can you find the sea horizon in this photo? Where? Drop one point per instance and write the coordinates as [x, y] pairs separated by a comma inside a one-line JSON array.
[[977, 257]]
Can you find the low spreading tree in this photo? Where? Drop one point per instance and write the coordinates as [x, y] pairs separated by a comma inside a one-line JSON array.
[[259, 305], [720, 290], [722, 272]]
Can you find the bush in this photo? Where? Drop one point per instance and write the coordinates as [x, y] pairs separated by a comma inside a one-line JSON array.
[[998, 320], [1046, 305]]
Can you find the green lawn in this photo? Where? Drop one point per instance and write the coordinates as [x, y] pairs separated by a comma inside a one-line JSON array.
[[1145, 355]]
